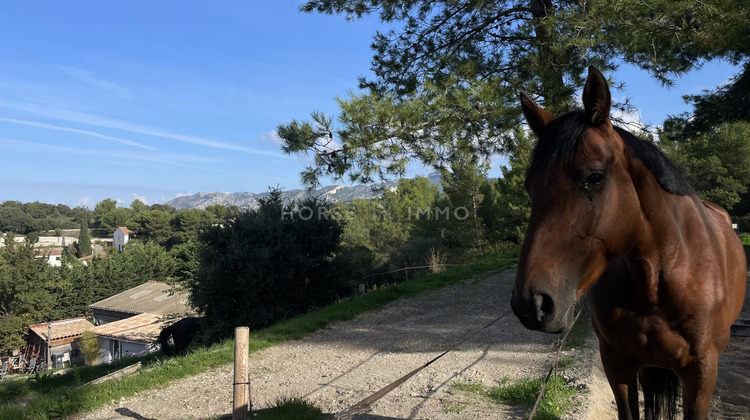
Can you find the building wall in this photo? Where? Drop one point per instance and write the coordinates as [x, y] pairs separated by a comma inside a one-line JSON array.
[[103, 316], [70, 350], [54, 260], [71, 355], [119, 239], [112, 349]]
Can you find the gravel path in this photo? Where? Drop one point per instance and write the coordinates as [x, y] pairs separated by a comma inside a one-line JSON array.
[[337, 367]]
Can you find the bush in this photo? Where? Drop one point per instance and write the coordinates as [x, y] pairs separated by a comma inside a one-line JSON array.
[[89, 346], [745, 238], [267, 265], [743, 224]]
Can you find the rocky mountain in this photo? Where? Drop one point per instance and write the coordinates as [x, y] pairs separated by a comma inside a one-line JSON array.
[[247, 200]]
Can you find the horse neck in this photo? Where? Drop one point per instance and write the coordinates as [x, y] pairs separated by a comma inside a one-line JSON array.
[[671, 225]]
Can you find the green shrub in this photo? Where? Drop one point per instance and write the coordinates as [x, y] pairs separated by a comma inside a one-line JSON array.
[[268, 265], [88, 343], [745, 238]]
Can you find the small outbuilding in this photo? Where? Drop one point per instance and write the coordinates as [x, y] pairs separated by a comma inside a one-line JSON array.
[[152, 297], [134, 336], [57, 339]]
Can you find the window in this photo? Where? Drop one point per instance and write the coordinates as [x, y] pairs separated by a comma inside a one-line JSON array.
[[115, 349]]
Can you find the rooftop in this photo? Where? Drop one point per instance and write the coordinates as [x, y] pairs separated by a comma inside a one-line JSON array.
[[62, 329], [152, 297], [124, 230], [143, 328], [48, 251]]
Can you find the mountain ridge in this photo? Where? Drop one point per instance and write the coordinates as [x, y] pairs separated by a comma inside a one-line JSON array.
[[248, 200]]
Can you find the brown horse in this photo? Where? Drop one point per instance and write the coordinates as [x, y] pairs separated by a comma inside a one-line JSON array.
[[665, 270]]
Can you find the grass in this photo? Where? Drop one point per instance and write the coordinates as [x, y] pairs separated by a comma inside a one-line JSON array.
[[556, 402], [453, 407], [289, 409], [61, 395], [580, 332]]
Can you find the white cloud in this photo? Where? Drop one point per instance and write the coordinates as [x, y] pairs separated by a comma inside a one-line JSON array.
[[95, 120], [271, 137], [77, 131], [87, 76], [85, 202], [141, 198]]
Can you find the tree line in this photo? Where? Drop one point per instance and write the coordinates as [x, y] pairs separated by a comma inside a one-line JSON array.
[[164, 248], [270, 263]]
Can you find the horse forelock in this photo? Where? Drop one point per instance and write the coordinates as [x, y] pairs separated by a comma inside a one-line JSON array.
[[563, 137], [560, 141]]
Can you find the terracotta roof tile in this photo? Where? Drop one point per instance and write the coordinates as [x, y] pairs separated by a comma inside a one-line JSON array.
[[64, 328], [144, 328]]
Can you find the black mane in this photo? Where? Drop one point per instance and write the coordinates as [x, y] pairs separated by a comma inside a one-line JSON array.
[[563, 136]]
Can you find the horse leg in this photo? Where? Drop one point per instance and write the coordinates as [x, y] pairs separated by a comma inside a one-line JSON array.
[[698, 383], [181, 342], [621, 371]]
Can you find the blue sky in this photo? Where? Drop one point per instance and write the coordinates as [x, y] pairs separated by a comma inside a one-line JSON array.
[[131, 100]]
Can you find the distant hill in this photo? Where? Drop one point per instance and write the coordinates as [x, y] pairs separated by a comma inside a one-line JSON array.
[[247, 200]]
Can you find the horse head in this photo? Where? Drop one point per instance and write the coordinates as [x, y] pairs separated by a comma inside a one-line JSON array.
[[584, 208]]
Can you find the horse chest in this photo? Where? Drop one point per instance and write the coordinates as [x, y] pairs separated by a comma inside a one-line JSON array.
[[646, 337]]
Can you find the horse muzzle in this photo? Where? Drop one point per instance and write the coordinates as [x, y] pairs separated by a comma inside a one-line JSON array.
[[541, 312]]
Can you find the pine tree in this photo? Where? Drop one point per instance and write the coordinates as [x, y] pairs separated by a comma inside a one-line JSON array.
[[463, 185], [447, 76]]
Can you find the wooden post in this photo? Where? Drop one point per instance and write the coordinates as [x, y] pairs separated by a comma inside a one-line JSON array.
[[49, 346], [241, 373]]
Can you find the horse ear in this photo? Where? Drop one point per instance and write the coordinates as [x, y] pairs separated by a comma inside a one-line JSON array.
[[596, 97], [537, 117]]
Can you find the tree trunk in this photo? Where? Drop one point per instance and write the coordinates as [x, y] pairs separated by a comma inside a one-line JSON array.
[[556, 99]]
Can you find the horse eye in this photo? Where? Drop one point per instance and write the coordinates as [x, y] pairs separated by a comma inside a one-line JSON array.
[[594, 180]]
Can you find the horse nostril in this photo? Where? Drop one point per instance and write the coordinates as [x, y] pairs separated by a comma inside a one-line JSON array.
[[545, 307]]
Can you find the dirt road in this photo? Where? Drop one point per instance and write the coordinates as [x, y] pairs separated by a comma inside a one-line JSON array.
[[336, 367]]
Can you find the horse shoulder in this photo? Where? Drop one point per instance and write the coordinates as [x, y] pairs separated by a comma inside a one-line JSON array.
[[717, 210], [735, 283]]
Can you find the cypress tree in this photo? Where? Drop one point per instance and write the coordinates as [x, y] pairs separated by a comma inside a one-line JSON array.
[[84, 240]]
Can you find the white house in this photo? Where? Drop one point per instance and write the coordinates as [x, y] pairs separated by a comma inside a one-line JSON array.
[[120, 238], [52, 256]]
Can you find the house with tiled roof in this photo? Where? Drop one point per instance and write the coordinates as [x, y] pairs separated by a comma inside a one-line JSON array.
[[53, 256], [89, 258], [129, 323], [134, 336], [121, 237], [57, 339], [152, 297]]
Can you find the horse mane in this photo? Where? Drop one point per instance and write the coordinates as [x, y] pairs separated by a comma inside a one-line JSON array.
[[563, 137], [667, 175]]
